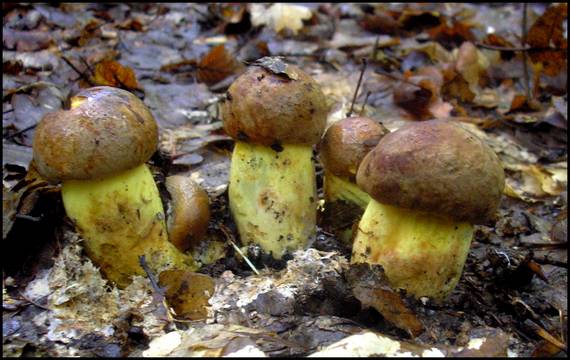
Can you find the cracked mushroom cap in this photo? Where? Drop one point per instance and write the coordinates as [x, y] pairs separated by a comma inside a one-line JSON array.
[[346, 142], [435, 166], [268, 108], [107, 130]]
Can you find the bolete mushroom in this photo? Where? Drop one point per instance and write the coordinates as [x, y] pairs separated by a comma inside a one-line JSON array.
[[429, 182], [275, 113], [98, 149], [341, 150]]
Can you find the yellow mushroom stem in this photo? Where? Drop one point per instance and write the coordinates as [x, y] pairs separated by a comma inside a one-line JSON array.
[[340, 188], [273, 196], [120, 218], [420, 252]]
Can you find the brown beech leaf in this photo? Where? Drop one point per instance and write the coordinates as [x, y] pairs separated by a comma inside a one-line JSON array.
[[382, 22], [455, 86], [370, 287], [547, 31], [496, 40], [187, 292], [454, 34], [521, 104], [111, 73], [414, 99], [217, 65]]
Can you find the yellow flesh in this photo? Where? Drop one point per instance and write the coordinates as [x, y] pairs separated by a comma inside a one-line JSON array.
[[338, 188], [273, 196], [120, 218], [422, 253]]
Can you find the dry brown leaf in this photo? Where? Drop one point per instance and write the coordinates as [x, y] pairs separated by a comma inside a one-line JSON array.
[[187, 292], [280, 16], [547, 31], [382, 22], [456, 87], [457, 33], [111, 73], [539, 181], [217, 65], [89, 31], [370, 287]]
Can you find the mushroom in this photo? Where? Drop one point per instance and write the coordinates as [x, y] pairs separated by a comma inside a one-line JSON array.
[[190, 212], [341, 150], [98, 149], [429, 182], [275, 117]]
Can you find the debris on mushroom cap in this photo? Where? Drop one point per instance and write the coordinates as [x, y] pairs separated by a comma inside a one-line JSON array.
[[347, 141], [107, 130], [435, 166], [188, 223], [267, 108]]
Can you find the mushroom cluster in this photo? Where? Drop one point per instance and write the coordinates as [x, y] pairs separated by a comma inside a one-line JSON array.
[[429, 182], [98, 149], [275, 117]]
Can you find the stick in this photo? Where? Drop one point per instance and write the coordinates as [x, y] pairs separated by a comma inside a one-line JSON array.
[[364, 63], [525, 57], [229, 237]]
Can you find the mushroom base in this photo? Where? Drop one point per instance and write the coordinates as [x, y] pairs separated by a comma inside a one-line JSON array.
[[121, 218], [340, 188], [421, 253], [344, 205], [273, 197]]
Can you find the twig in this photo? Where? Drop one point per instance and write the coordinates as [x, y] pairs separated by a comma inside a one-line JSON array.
[[375, 49], [525, 57], [364, 103], [20, 132], [81, 74], [156, 288], [28, 217], [364, 63], [545, 335], [33, 302], [230, 237], [545, 260], [522, 49]]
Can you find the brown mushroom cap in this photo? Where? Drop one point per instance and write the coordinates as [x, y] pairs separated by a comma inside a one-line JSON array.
[[435, 166], [346, 142], [188, 223], [106, 131], [266, 108]]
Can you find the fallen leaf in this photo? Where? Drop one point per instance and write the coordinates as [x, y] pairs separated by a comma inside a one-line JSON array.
[[382, 22], [280, 16], [187, 292], [547, 31], [456, 87], [540, 181], [370, 287], [89, 31], [496, 40], [26, 40], [452, 35], [112, 73], [277, 66], [217, 65]]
